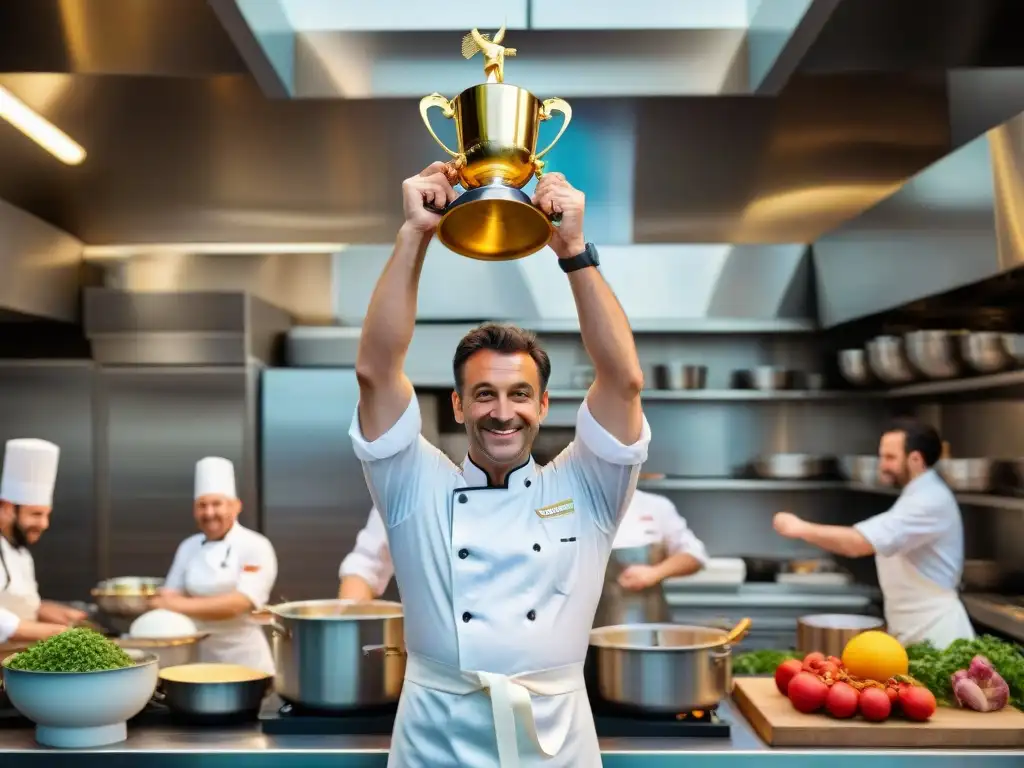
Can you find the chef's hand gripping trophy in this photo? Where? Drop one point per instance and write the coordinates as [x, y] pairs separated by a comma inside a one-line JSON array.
[[497, 126]]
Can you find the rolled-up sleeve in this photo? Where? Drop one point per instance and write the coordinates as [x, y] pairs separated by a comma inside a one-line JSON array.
[[398, 464], [606, 469], [370, 559], [8, 625], [259, 571], [907, 525], [676, 534]]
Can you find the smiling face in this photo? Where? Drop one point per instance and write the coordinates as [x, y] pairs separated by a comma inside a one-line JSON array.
[[24, 524], [215, 514], [502, 404]]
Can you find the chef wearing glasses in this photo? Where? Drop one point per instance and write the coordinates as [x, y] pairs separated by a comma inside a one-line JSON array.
[[26, 498], [223, 573]]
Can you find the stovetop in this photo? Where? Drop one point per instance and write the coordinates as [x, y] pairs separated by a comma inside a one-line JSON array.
[[610, 721]]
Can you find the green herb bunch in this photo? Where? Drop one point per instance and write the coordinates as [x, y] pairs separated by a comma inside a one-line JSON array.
[[934, 668], [761, 662], [74, 650]]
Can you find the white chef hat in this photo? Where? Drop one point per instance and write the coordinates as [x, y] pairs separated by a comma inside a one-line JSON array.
[[215, 475], [30, 472]]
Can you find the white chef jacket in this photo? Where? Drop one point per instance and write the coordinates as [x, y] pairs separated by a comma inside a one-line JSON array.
[[370, 559], [489, 580], [649, 519], [19, 592], [243, 561], [919, 554]]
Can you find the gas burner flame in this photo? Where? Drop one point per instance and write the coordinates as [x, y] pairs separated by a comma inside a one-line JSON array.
[[697, 714]]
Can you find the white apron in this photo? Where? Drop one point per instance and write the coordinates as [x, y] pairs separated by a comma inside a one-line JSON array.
[[214, 571], [520, 629], [24, 605], [918, 609]]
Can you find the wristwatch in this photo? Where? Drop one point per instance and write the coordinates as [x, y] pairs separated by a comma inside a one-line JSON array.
[[586, 259]]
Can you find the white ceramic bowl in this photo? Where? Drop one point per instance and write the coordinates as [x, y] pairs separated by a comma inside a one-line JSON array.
[[83, 709]]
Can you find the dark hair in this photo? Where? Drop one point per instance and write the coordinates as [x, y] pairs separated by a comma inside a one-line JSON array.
[[503, 338], [920, 437]]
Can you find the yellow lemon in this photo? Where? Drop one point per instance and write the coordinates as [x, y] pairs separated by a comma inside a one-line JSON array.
[[875, 655]]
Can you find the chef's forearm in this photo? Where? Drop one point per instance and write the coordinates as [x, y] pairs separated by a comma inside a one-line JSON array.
[[614, 398], [216, 607], [679, 564], [391, 315], [31, 631], [606, 334], [355, 588], [51, 612], [838, 539], [384, 389]]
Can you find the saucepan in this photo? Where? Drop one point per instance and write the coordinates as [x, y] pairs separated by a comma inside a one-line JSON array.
[[339, 654], [663, 667], [212, 690]]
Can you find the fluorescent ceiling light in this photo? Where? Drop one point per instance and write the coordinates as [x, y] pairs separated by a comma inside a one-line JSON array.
[[39, 129], [128, 250]]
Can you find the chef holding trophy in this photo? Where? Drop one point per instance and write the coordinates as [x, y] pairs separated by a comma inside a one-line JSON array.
[[499, 561]]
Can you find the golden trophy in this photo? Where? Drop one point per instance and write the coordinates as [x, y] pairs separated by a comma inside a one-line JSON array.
[[497, 126]]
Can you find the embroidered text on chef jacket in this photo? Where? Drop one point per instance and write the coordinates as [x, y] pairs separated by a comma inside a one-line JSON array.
[[649, 519], [489, 578]]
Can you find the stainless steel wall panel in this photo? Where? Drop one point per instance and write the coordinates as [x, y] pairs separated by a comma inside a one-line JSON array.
[[315, 498], [159, 423], [52, 400]]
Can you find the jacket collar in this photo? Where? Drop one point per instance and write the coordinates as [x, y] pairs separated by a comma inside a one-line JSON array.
[[477, 478], [230, 536]]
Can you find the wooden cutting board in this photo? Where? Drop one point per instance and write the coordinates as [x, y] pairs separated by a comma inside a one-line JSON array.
[[778, 724]]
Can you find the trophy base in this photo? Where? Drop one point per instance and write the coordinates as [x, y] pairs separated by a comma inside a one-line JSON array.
[[494, 223]]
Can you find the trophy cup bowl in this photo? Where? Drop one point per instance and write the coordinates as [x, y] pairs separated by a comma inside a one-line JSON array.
[[496, 125]]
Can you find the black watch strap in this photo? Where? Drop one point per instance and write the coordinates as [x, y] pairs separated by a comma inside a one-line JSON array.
[[586, 259]]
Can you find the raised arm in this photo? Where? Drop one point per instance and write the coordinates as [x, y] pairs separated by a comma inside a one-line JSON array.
[[384, 389], [614, 397]]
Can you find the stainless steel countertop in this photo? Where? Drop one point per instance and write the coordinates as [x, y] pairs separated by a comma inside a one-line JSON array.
[[213, 747]]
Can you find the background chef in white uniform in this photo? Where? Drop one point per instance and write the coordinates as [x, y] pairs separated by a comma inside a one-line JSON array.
[[650, 518], [918, 543], [26, 499], [222, 574], [499, 561]]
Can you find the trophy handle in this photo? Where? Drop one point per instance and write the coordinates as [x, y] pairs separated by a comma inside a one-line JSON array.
[[437, 100], [549, 106]]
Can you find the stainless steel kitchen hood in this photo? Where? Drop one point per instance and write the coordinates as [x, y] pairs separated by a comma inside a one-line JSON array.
[[343, 49], [957, 222], [654, 283], [41, 267], [226, 328]]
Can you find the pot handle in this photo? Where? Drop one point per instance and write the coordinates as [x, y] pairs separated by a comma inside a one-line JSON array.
[[738, 632], [384, 650], [277, 629]]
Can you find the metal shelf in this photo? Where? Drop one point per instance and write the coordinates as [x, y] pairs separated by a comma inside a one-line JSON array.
[[696, 325], [974, 499], [737, 484], [785, 395], [992, 384]]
